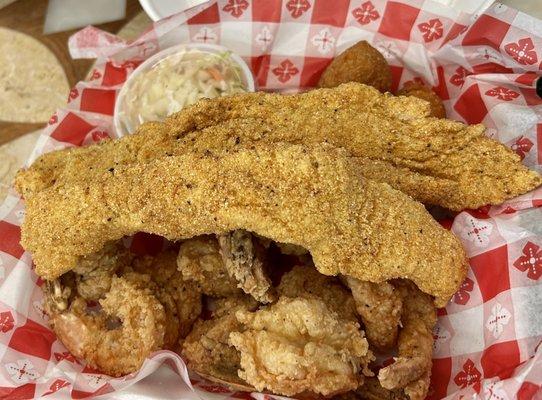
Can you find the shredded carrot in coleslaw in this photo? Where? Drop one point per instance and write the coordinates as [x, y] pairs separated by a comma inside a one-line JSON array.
[[177, 81]]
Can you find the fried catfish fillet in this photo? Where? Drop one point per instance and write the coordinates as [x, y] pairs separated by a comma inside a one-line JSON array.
[[436, 161], [299, 346], [311, 196]]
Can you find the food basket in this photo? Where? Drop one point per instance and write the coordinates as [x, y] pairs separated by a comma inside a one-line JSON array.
[[482, 60]]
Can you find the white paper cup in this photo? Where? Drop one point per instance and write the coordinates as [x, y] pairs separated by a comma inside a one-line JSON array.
[[247, 78]]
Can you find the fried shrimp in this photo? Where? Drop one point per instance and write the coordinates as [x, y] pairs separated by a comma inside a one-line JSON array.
[[379, 306], [199, 260], [181, 299], [412, 369], [244, 261], [92, 336], [306, 281], [298, 346], [206, 348], [93, 273], [372, 390]]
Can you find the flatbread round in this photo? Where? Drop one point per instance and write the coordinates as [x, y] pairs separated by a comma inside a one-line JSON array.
[[32, 82]]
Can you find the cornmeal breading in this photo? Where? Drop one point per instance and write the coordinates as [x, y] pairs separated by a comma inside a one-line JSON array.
[[313, 197], [436, 161], [423, 92]]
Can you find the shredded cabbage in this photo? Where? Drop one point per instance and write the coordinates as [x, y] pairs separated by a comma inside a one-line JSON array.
[[177, 81]]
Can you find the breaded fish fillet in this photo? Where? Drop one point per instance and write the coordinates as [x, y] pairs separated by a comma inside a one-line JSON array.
[[436, 161], [311, 196]]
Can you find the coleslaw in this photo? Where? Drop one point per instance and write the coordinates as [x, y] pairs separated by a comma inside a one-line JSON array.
[[179, 80]]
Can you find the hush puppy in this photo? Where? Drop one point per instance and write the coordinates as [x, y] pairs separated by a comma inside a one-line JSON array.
[[360, 63]]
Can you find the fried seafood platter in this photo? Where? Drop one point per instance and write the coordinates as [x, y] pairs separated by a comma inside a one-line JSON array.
[[298, 252]]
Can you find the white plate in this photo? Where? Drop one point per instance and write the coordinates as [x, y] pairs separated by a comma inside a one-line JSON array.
[[158, 9]]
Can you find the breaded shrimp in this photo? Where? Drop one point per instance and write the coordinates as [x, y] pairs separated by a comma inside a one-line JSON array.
[[299, 346], [200, 261], [379, 306], [306, 281], [412, 369], [207, 349], [92, 336]]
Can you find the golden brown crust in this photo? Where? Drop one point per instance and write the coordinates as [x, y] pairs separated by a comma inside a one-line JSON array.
[[303, 281], [298, 345], [379, 306], [93, 274], [117, 351], [423, 92], [436, 161], [360, 63], [207, 349], [412, 369], [181, 299], [313, 196], [199, 261]]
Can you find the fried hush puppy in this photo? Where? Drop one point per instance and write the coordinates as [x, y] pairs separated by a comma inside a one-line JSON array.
[[422, 92], [360, 63]]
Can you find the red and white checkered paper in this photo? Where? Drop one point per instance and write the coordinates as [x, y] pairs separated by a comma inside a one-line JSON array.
[[482, 62]]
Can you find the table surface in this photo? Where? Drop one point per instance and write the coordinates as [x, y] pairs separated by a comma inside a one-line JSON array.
[[28, 16]]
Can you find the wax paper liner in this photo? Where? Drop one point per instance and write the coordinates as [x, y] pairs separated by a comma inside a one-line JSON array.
[[483, 62]]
